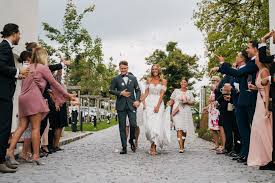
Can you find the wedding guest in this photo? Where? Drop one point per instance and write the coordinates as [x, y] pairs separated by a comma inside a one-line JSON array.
[[8, 75], [75, 108], [265, 58], [141, 84], [240, 62], [59, 118], [247, 99], [32, 105], [182, 99], [95, 121], [45, 140], [52, 133], [260, 149], [26, 153], [222, 107], [213, 112]]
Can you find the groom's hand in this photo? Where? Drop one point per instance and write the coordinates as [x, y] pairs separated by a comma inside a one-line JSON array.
[[136, 104], [124, 93]]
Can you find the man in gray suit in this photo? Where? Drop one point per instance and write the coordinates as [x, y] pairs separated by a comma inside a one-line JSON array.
[[125, 87]]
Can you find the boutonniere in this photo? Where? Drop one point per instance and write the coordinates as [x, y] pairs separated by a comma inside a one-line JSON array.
[[122, 84], [130, 80]]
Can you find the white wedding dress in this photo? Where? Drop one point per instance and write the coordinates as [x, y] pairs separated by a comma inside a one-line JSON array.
[[156, 125]]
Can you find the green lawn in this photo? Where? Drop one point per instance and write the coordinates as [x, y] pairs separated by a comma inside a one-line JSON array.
[[90, 127]]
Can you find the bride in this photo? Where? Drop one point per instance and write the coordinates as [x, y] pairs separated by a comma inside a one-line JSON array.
[[156, 118]]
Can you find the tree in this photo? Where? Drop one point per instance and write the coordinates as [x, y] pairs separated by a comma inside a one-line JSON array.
[[176, 65], [229, 24], [88, 69]]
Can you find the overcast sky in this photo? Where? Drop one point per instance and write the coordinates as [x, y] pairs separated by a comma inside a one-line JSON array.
[[133, 29]]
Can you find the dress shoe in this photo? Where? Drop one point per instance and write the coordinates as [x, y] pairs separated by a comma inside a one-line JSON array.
[[123, 151], [242, 160], [38, 162], [12, 161], [269, 166], [11, 166], [58, 149], [237, 157], [25, 160], [5, 169], [52, 150], [133, 147], [221, 151], [228, 153], [233, 155]]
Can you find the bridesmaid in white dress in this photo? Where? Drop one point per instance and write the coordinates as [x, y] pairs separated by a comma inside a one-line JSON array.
[[182, 99], [156, 118], [141, 84]]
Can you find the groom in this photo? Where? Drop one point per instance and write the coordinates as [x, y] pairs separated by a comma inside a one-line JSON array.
[[125, 87]]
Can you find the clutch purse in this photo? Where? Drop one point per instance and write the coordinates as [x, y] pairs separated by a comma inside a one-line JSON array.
[[230, 107]]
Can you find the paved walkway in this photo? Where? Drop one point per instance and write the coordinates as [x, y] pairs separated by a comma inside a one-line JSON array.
[[95, 158]]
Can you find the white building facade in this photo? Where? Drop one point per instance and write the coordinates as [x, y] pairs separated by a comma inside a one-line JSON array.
[[24, 13]]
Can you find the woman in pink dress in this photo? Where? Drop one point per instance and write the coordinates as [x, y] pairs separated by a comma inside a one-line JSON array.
[[260, 149], [32, 105]]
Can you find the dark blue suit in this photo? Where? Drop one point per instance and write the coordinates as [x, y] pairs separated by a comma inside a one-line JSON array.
[[246, 102], [235, 98]]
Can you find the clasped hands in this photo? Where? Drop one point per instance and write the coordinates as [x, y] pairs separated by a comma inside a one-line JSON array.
[[127, 94]]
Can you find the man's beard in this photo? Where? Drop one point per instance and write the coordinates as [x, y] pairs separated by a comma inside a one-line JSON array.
[[16, 42]]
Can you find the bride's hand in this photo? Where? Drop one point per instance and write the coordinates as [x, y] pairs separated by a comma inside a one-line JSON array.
[[156, 109]]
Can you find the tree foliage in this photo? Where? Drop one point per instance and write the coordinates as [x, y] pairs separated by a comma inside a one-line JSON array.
[[176, 65], [88, 69], [229, 24]]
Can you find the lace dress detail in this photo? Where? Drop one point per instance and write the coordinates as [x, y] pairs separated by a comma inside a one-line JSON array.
[[157, 125]]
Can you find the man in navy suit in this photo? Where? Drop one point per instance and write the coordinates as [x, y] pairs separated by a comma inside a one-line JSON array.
[[247, 99], [8, 76]]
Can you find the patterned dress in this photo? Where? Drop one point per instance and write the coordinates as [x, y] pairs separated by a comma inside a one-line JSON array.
[[183, 118], [213, 113]]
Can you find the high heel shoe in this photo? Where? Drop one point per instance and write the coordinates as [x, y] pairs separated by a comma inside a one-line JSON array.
[[181, 151], [38, 162], [45, 152], [11, 160], [25, 159]]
